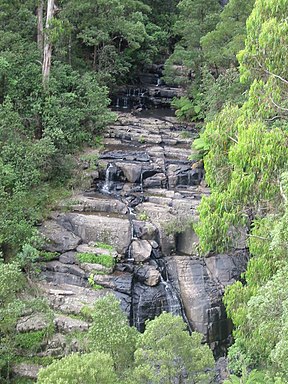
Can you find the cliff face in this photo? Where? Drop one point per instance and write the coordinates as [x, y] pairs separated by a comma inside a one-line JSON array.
[[139, 212]]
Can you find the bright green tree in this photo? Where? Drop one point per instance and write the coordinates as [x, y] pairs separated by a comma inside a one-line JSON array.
[[167, 353], [110, 333], [95, 367]]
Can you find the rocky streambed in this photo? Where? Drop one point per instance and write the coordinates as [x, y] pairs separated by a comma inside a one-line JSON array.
[[139, 212]]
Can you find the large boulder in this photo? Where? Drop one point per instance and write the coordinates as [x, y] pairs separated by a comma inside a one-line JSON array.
[[68, 324], [148, 274], [140, 250], [34, 322], [112, 230], [227, 268], [201, 297], [57, 238]]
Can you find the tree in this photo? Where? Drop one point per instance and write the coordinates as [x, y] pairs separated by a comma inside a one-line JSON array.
[[255, 154], [167, 353], [12, 281], [110, 333], [47, 53], [195, 20], [221, 45], [249, 188], [95, 367]]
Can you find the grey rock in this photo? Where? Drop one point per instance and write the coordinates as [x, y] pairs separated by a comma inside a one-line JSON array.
[[148, 274], [68, 258], [226, 269], [131, 171], [97, 204], [25, 370], [58, 239], [201, 297], [55, 347], [70, 299], [119, 281], [145, 230], [94, 268], [112, 230], [67, 324], [86, 248], [34, 322], [140, 250], [187, 241], [156, 181]]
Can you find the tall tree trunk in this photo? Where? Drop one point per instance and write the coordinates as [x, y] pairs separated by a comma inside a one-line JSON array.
[[40, 25], [47, 53]]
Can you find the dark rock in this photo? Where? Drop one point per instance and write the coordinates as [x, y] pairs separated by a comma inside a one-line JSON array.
[[122, 155], [58, 238], [119, 282], [57, 266], [226, 269], [59, 278], [149, 302], [148, 274], [68, 258]]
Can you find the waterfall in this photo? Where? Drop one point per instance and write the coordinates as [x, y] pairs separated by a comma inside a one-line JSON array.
[[125, 102], [118, 103], [108, 179], [173, 302]]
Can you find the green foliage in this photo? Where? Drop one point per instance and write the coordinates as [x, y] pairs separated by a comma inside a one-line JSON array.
[[179, 225], [110, 333], [98, 244], [187, 109], [30, 340], [221, 45], [105, 260], [95, 367], [92, 282], [166, 353], [12, 281], [195, 20]]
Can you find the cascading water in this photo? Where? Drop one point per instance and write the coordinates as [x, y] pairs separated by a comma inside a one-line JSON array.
[[108, 180], [173, 302]]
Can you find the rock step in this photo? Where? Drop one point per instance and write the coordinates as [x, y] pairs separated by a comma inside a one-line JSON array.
[[70, 299], [66, 324], [80, 203]]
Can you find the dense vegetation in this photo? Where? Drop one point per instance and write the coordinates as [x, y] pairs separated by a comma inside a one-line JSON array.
[[244, 147], [117, 353], [235, 76]]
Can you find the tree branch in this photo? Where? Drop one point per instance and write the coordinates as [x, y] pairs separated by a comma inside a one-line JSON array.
[[272, 74], [278, 106]]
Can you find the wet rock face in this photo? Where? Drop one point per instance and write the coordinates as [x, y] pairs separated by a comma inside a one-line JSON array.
[[143, 201]]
